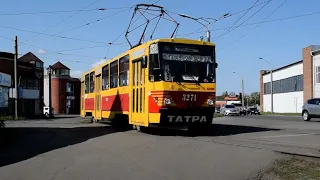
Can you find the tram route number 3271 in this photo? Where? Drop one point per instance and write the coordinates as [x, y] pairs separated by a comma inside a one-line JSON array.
[[189, 97]]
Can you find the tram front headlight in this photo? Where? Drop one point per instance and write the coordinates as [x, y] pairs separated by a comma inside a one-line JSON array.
[[210, 102], [167, 101]]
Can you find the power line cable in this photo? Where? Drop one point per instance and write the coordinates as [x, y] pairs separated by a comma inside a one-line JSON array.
[[65, 19], [235, 27], [261, 22], [256, 25], [231, 14], [90, 47], [59, 53], [49, 51], [246, 12], [59, 11], [51, 35], [42, 55], [92, 22]]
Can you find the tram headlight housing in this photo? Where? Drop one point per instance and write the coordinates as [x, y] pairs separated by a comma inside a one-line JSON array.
[[210, 102], [167, 101]]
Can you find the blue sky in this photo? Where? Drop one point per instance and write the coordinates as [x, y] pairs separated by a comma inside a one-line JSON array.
[[280, 42]]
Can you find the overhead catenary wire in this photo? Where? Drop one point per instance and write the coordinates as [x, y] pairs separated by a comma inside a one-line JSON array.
[[261, 22], [108, 50], [112, 43], [255, 26], [231, 14]]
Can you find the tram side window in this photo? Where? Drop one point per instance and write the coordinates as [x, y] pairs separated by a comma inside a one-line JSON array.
[[105, 77], [91, 82], [114, 74], [87, 84], [123, 70], [154, 67]]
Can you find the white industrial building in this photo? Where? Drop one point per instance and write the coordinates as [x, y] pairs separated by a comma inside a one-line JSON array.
[[293, 84]]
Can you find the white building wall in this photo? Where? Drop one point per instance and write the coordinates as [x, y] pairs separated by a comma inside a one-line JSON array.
[[316, 63], [284, 102], [46, 91], [285, 73]]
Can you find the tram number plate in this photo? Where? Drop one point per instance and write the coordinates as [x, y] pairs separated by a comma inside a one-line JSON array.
[[181, 119]]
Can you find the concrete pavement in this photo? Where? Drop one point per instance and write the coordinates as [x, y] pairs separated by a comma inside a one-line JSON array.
[[66, 149], [233, 148], [284, 135]]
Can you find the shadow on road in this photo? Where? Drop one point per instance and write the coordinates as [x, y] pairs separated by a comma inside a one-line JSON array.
[[65, 117], [18, 144], [212, 130]]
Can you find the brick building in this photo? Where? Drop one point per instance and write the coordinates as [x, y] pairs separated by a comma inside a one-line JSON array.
[[30, 83], [65, 90], [293, 84]]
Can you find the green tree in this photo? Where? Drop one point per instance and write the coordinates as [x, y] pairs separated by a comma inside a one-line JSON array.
[[255, 98], [225, 94]]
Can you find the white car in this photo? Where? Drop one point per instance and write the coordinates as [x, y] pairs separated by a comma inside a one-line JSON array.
[[229, 110], [46, 111]]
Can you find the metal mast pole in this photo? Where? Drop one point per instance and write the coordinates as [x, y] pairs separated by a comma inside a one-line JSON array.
[[15, 77]]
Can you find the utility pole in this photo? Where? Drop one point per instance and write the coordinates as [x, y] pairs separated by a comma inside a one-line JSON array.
[[15, 77], [271, 89], [242, 87], [49, 70], [271, 82], [242, 92]]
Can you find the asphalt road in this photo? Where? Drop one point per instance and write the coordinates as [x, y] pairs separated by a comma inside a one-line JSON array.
[[233, 148], [277, 117]]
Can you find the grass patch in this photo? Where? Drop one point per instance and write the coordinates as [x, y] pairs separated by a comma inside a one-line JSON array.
[[284, 114], [294, 168], [10, 118], [217, 115], [86, 121]]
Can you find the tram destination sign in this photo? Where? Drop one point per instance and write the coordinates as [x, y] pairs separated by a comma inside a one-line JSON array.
[[186, 57]]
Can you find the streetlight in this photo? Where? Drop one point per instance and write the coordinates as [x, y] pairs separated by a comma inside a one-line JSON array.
[[49, 71], [271, 82], [206, 20], [242, 84]]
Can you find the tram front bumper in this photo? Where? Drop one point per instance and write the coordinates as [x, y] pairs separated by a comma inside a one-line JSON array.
[[175, 116]]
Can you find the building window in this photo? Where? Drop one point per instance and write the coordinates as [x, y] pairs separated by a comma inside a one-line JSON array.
[[91, 82], [291, 84], [105, 77], [317, 74], [87, 79], [39, 64], [123, 71], [114, 74], [64, 72], [56, 72], [71, 86]]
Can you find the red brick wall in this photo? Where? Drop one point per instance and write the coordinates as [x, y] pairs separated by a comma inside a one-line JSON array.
[[59, 95], [307, 74], [261, 90], [58, 90]]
